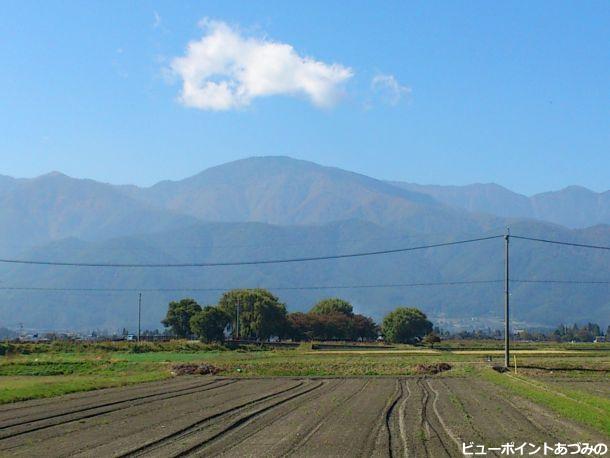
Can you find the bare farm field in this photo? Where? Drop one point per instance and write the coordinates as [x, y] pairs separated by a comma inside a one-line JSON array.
[[279, 416]]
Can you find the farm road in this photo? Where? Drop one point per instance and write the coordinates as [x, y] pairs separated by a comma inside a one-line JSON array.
[[208, 416]]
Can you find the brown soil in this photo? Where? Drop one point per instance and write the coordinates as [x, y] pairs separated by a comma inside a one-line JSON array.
[[194, 369], [211, 416], [431, 369]]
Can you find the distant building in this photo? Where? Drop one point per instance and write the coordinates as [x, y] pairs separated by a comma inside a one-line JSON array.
[[599, 339]]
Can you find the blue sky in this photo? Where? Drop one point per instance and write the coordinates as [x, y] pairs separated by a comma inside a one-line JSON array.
[[516, 93]]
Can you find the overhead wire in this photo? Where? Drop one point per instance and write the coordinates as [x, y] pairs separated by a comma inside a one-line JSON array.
[[246, 262], [558, 242], [568, 282], [276, 288]]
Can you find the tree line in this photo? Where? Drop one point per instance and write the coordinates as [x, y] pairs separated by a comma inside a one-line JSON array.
[[588, 332], [257, 314]]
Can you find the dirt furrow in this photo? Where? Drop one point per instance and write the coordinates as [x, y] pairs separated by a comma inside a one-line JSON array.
[[412, 428], [388, 434], [389, 425], [139, 424], [342, 421], [199, 448], [24, 409], [277, 417], [493, 418], [37, 423], [457, 416], [417, 426], [283, 430], [402, 428], [440, 419], [437, 442], [353, 428], [196, 426], [270, 428], [496, 417]]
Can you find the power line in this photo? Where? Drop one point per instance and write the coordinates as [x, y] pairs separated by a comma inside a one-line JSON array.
[[243, 263], [308, 287], [278, 288], [557, 242], [152, 243], [308, 243], [289, 260], [568, 282]]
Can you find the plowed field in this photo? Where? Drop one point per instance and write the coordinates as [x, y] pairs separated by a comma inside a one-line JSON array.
[[206, 416]]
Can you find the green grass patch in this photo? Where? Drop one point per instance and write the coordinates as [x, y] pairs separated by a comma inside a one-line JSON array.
[[21, 388], [576, 405], [64, 369], [46, 368], [10, 348], [165, 356]]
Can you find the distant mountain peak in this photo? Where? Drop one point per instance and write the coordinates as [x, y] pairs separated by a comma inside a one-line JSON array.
[[54, 174], [576, 188], [284, 190], [280, 189], [573, 206]]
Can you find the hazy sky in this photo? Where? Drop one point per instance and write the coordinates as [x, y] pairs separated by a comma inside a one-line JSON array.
[[516, 93]]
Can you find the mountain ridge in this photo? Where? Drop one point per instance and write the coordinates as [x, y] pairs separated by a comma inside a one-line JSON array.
[[54, 206], [573, 206], [274, 190], [282, 190], [274, 208]]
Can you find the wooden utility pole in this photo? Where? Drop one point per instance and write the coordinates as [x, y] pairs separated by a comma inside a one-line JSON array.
[[139, 314], [237, 320], [506, 301]]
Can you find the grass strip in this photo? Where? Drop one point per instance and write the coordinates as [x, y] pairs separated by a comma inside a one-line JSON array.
[[21, 387], [576, 405]]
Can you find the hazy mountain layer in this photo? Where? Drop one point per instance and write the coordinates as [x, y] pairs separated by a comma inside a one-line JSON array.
[[275, 190], [573, 207], [302, 209], [452, 305], [54, 206]]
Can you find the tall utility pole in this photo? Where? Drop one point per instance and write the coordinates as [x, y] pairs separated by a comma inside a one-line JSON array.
[[506, 301], [237, 321], [139, 313]]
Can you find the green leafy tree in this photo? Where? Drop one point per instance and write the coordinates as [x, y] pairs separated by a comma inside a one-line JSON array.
[[209, 324], [179, 315], [261, 315], [405, 325], [586, 333], [332, 305]]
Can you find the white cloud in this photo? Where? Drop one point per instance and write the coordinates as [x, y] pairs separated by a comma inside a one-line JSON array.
[[389, 88], [225, 70], [157, 20]]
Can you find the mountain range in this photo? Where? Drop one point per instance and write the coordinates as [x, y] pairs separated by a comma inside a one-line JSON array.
[[574, 207], [278, 207]]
